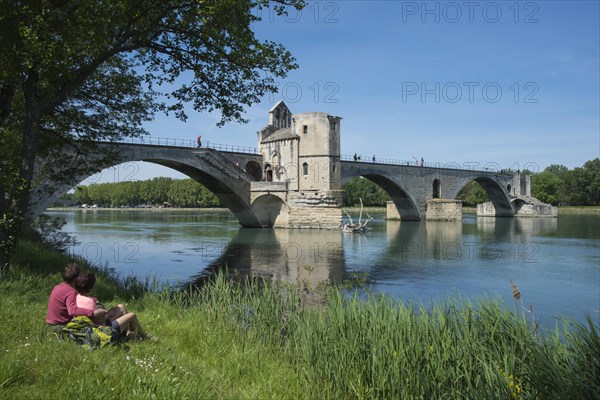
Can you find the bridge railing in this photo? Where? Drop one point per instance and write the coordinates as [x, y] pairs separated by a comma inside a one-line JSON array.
[[188, 143], [418, 163], [232, 148]]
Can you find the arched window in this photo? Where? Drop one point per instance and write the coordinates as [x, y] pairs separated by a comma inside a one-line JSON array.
[[268, 173], [284, 120], [436, 188], [305, 169], [277, 118]]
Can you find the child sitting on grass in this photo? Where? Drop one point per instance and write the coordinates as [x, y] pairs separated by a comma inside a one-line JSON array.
[[123, 322]]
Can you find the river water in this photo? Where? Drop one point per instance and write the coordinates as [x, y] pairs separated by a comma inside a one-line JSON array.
[[555, 262]]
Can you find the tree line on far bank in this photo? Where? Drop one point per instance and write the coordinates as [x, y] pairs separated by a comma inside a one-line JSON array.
[[157, 191], [559, 185], [556, 185]]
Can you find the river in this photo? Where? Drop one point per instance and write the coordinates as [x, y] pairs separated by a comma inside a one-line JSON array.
[[555, 262]]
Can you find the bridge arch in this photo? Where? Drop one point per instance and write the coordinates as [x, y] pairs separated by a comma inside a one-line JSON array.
[[405, 203], [496, 191], [270, 210], [517, 204], [218, 173]]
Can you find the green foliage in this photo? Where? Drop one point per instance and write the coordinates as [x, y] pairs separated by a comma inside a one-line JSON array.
[[177, 192], [559, 170], [381, 349], [361, 188], [581, 186], [473, 194], [576, 187], [189, 193], [545, 187]]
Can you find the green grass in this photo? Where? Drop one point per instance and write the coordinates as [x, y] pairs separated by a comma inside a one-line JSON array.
[[579, 209], [201, 354], [236, 339]]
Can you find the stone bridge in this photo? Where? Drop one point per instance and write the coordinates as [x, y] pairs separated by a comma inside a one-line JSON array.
[[411, 187], [226, 174], [295, 178]]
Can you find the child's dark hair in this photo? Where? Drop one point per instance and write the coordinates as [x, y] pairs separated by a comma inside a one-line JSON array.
[[84, 282], [70, 273]]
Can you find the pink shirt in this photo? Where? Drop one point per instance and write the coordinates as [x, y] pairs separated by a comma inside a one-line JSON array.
[[62, 305], [85, 302]]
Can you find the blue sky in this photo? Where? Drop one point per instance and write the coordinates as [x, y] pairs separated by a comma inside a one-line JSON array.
[[507, 83]]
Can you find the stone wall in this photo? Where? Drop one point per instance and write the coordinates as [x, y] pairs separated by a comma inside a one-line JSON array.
[[537, 210], [444, 210], [321, 210], [391, 212]]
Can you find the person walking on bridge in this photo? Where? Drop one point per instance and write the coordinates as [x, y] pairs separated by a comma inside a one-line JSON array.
[[199, 141]]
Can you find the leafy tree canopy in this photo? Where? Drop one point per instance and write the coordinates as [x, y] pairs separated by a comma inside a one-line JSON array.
[[178, 192], [97, 69], [545, 187]]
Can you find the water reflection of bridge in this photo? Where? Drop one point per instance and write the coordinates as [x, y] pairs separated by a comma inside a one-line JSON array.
[[306, 258], [310, 257]]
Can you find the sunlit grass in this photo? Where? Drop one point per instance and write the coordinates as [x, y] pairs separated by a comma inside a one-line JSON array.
[[249, 339], [579, 209]]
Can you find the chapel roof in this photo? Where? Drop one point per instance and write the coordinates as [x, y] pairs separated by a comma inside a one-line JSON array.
[[281, 134]]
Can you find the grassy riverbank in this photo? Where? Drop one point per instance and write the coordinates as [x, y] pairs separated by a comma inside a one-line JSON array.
[[231, 341], [595, 210], [562, 210]]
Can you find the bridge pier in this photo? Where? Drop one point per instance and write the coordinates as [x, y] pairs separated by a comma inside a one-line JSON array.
[[537, 210], [276, 206], [522, 208], [435, 210], [391, 212], [489, 210], [443, 210], [316, 210]]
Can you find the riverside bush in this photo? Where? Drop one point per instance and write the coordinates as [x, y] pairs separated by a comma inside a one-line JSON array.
[[241, 338]]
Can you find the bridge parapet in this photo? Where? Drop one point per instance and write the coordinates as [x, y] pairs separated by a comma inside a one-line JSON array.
[[223, 164], [269, 187], [187, 143], [493, 168]]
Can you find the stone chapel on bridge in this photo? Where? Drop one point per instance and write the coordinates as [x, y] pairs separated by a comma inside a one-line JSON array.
[[302, 152]]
